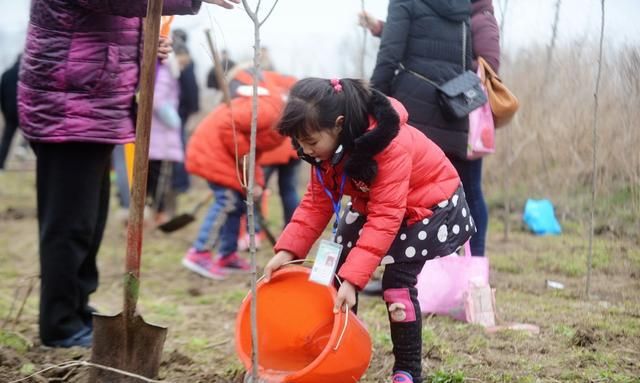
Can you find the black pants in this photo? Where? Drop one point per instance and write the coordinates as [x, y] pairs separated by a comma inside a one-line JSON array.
[[159, 183], [5, 144], [73, 202], [398, 283]]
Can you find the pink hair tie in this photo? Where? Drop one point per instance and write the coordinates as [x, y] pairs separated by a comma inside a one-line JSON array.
[[336, 85]]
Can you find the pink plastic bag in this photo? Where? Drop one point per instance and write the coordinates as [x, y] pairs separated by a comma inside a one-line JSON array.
[[481, 139], [444, 281]]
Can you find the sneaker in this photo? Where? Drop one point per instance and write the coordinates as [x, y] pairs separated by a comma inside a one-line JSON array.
[[200, 262], [402, 377], [82, 338], [233, 263]]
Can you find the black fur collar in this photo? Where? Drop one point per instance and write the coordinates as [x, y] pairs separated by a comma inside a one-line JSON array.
[[360, 165]]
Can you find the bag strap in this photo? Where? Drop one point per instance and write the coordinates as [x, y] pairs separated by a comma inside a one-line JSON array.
[[464, 61], [467, 249], [464, 47], [419, 75]]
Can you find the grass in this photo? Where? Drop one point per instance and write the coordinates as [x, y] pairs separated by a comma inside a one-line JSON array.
[[581, 340]]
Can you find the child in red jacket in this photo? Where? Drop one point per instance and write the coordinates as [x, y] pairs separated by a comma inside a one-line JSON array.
[[407, 203], [215, 153]]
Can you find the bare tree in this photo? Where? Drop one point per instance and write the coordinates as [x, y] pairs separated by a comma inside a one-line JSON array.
[[502, 5], [364, 44], [552, 43], [257, 23], [594, 153]]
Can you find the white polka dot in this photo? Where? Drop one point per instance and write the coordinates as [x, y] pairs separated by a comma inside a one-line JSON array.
[[443, 203], [466, 227], [351, 217], [349, 244], [387, 260], [403, 236], [455, 200], [424, 252], [410, 252], [470, 221], [425, 221], [339, 239], [455, 229], [464, 212], [442, 233], [360, 232], [422, 235]]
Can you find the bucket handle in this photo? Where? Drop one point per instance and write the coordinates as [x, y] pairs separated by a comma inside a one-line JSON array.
[[346, 306]]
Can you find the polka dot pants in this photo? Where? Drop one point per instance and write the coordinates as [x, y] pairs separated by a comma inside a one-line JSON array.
[[444, 232], [448, 228]]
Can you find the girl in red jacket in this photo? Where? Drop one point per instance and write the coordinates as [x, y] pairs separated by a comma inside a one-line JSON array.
[[407, 203], [212, 154]]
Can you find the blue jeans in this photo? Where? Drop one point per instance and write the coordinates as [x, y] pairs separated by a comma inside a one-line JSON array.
[[122, 181], [223, 219], [287, 186], [471, 175]]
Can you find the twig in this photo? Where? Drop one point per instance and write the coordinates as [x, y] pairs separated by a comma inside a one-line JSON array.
[[214, 345], [82, 363], [29, 279], [594, 157], [268, 14]]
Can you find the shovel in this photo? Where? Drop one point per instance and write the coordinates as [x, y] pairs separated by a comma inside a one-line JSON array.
[[125, 341], [182, 220]]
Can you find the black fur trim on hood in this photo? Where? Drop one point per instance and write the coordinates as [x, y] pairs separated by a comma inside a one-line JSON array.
[[360, 165]]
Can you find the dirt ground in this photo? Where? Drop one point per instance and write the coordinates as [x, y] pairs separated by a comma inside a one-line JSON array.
[[581, 340]]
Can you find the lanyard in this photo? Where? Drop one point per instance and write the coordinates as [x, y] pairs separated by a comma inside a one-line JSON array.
[[335, 203]]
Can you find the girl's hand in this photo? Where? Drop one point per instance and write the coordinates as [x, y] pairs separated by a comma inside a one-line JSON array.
[[276, 262], [223, 3], [346, 295], [165, 46]]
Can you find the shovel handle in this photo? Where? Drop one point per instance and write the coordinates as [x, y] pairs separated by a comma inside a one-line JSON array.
[[141, 157]]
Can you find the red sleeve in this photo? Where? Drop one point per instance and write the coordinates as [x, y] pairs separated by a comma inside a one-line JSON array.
[[308, 222], [385, 211]]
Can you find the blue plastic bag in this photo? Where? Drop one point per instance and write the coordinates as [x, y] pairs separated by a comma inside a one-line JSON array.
[[540, 217]]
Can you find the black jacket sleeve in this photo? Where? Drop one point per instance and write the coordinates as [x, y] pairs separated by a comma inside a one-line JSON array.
[[392, 45]]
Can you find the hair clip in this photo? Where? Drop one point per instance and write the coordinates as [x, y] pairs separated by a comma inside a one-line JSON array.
[[335, 83]]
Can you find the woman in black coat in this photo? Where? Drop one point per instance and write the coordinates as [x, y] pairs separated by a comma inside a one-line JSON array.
[[426, 37]]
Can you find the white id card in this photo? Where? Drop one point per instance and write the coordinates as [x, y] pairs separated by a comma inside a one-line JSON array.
[[324, 266]]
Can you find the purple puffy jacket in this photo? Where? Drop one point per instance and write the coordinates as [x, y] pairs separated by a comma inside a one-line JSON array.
[[80, 67]]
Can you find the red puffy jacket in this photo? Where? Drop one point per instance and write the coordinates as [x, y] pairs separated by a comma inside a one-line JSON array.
[[413, 175], [211, 148], [284, 152]]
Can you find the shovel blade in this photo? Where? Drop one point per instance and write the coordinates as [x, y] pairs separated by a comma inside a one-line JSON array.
[[130, 345], [176, 223]]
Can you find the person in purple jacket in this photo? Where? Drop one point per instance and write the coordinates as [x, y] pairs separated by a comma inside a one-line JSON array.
[[78, 76], [426, 37]]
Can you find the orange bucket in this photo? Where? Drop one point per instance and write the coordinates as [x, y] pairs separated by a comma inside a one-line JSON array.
[[300, 338]]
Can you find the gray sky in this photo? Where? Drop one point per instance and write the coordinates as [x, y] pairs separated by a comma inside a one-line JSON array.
[[320, 37]]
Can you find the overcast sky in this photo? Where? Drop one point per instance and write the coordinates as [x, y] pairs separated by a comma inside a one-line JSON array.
[[321, 38]]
